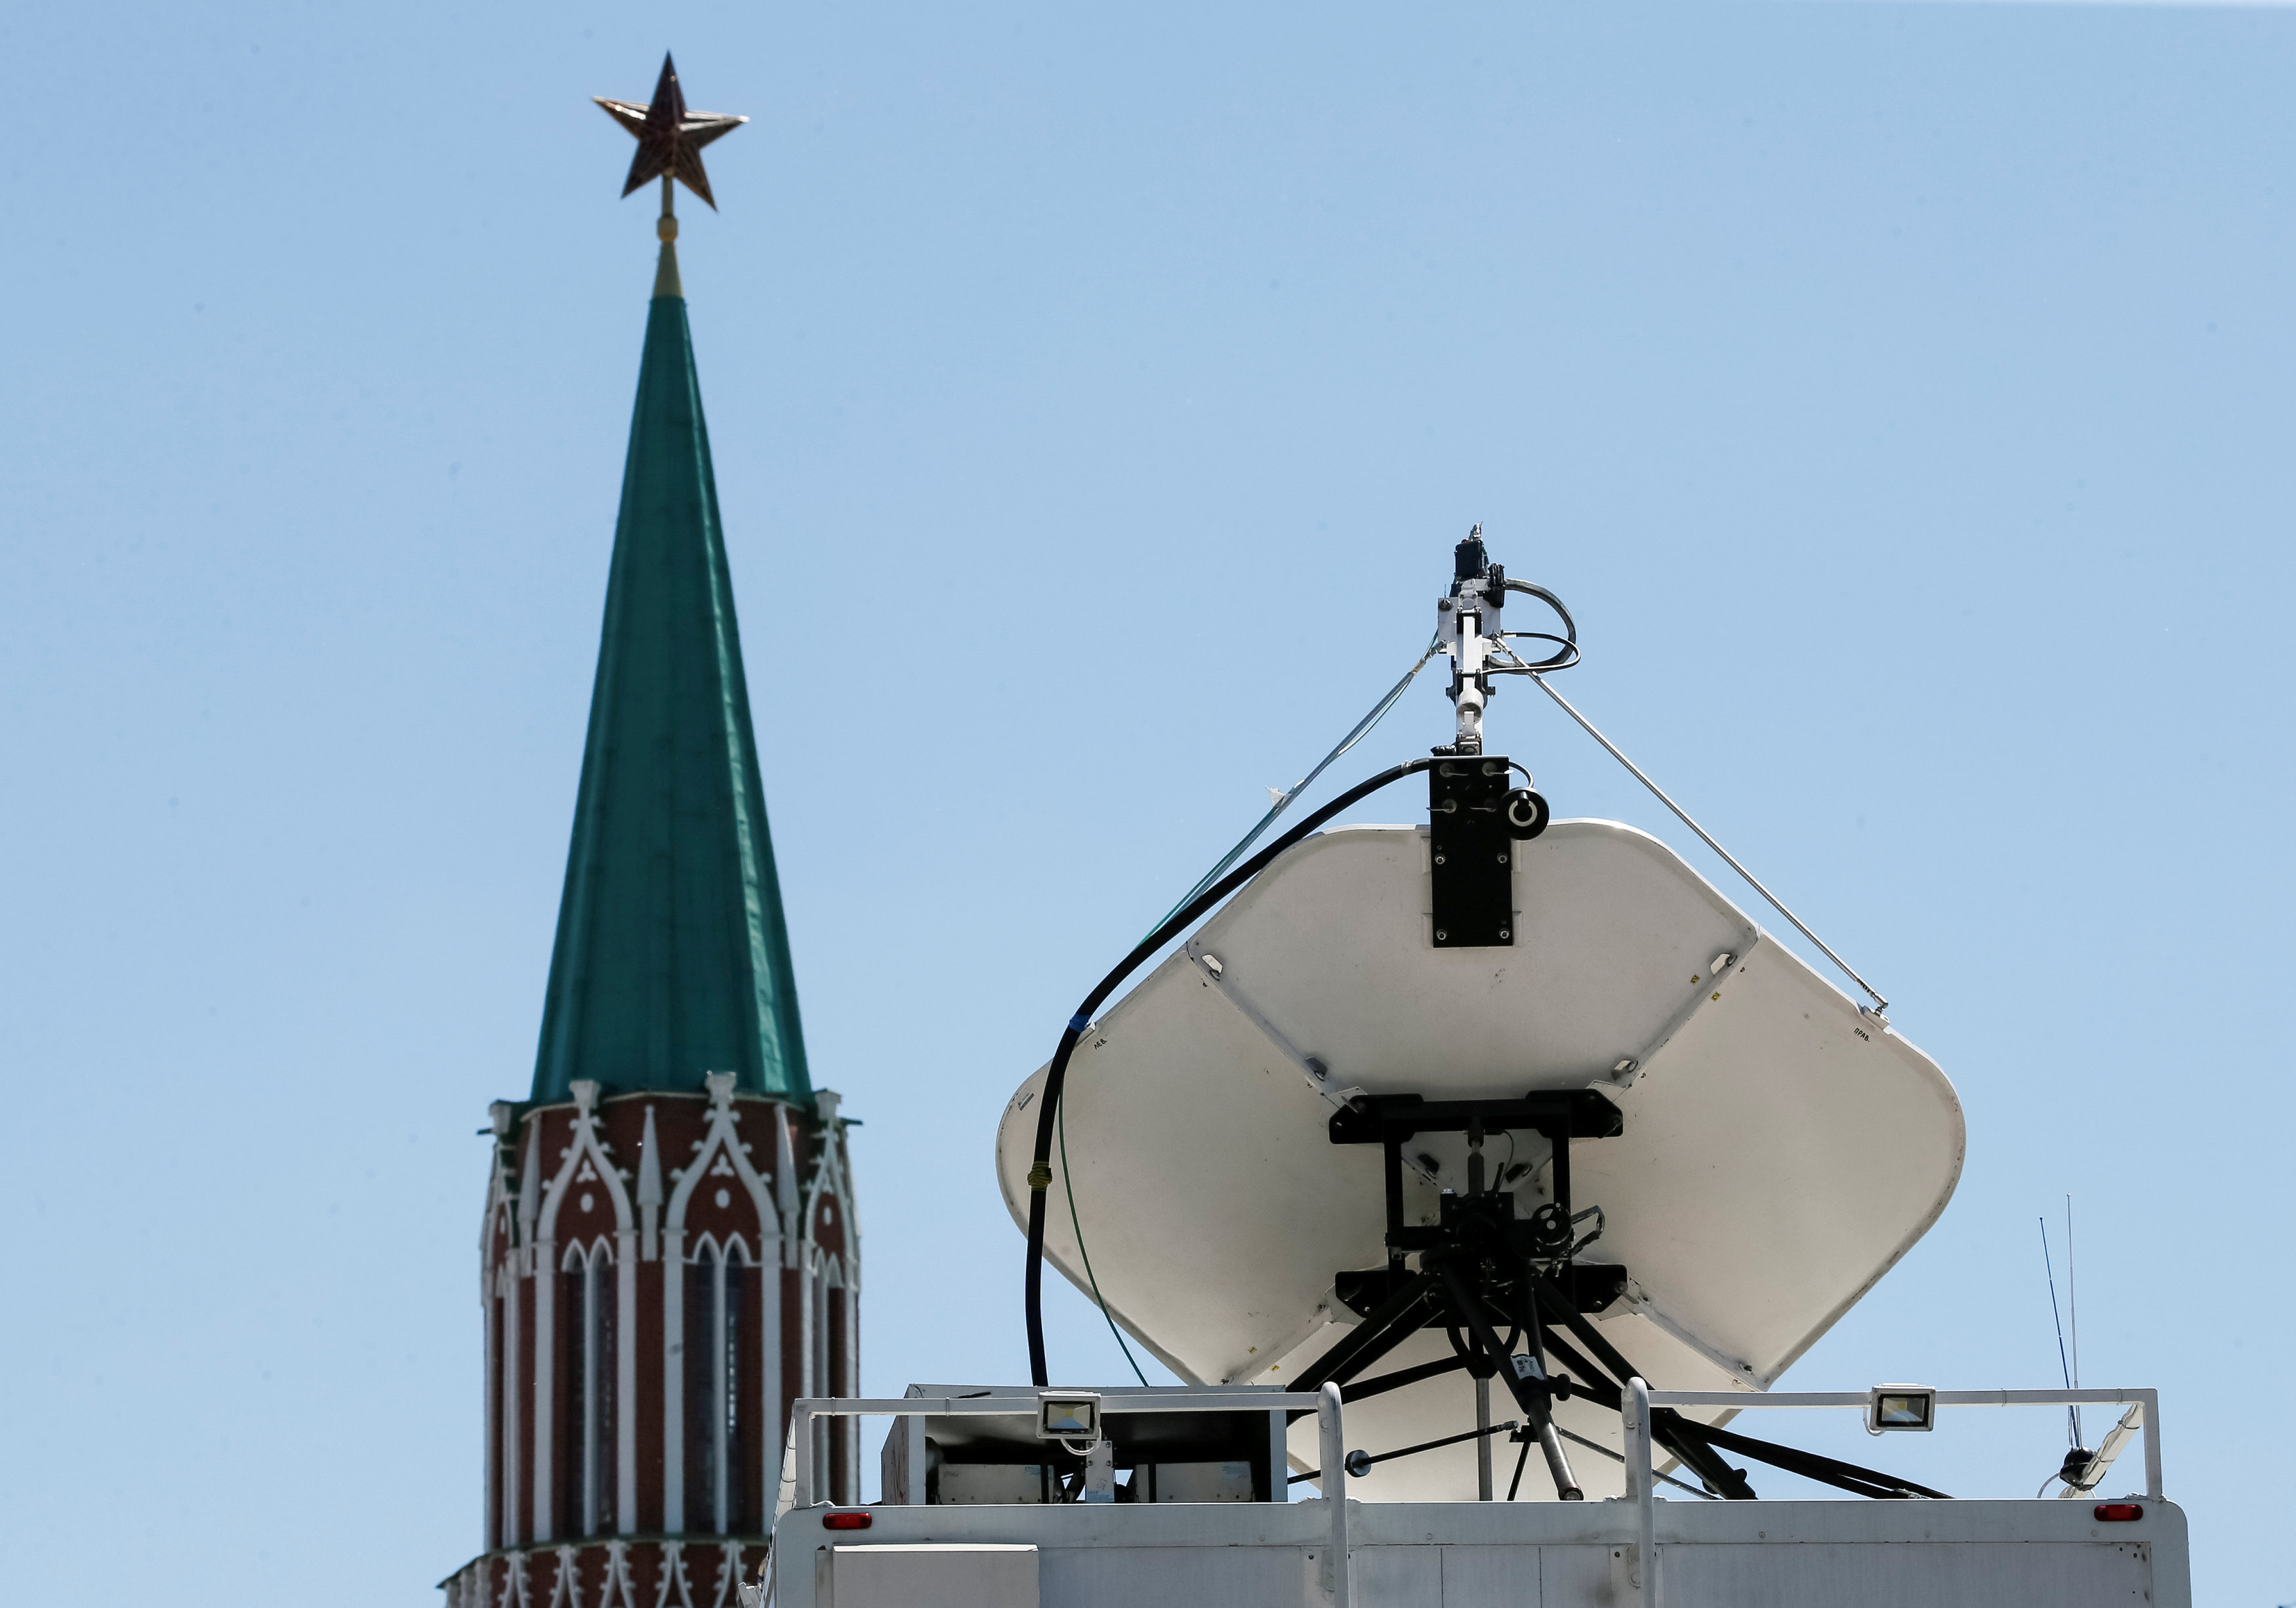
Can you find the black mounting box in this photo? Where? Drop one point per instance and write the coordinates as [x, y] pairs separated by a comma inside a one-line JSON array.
[[1469, 853]]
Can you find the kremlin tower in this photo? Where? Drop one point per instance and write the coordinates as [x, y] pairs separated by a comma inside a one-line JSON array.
[[669, 1252]]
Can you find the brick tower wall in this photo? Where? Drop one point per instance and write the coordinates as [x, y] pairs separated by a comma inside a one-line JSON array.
[[662, 1275]]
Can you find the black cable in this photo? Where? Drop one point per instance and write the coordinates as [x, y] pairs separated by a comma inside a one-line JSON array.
[[1568, 655], [1809, 1465], [1040, 1170], [1352, 1392]]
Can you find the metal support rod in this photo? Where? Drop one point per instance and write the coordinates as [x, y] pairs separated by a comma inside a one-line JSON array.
[[1695, 1454], [1361, 1461], [1531, 1399], [1482, 1440], [1753, 882], [1394, 1321], [1364, 1389]]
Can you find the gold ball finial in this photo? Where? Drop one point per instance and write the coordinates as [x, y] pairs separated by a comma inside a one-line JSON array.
[[665, 228]]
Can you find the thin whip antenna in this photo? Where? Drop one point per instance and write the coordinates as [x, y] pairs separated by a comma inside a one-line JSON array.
[[2072, 1421], [1879, 1004], [2073, 1311]]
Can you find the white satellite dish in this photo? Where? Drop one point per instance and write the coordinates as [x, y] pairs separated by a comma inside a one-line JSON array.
[[1777, 1150]]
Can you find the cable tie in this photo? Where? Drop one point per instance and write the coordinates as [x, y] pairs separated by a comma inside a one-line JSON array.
[[1079, 1023]]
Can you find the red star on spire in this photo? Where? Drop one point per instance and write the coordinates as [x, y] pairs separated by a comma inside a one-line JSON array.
[[670, 138]]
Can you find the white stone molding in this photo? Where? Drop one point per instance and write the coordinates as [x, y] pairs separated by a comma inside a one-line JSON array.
[[489, 1304], [513, 1375], [529, 1193], [673, 1577], [766, 1457], [513, 1591], [618, 1593], [786, 1182], [500, 1220], [497, 1217], [567, 1593], [829, 1181], [625, 1384], [729, 1573], [649, 1190], [672, 1384], [585, 1161], [721, 1143], [531, 1522]]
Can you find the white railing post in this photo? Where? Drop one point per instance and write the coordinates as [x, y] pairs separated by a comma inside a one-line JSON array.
[[2152, 1400], [914, 1428], [1635, 1413], [1339, 1569], [801, 1427]]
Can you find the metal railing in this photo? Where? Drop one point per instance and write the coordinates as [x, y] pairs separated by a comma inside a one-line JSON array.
[[1637, 1401], [1325, 1404]]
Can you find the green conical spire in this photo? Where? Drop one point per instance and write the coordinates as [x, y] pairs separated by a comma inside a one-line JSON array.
[[672, 958]]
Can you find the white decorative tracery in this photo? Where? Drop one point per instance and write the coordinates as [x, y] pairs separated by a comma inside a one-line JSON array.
[[587, 1155], [567, 1593], [619, 1592], [729, 1574], [673, 1577], [719, 1152], [513, 1591]]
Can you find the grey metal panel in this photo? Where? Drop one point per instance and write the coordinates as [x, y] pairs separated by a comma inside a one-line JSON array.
[[957, 1576], [1398, 1577], [1589, 1577], [2028, 1574], [1161, 1577], [1970, 1554], [1491, 1577]]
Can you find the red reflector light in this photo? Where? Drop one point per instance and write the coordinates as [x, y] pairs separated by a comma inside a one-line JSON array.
[[861, 1520], [2118, 1513]]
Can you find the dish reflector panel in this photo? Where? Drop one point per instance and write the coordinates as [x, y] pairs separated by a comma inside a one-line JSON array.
[[1781, 1150]]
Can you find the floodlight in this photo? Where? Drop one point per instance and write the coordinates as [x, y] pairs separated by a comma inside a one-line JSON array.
[[1068, 1415], [1900, 1407]]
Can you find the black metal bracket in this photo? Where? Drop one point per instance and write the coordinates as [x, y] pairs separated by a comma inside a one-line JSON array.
[[1557, 1115], [1598, 1287], [1482, 1269], [1470, 853]]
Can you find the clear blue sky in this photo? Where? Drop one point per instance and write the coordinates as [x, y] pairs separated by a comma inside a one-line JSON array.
[[1901, 395]]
